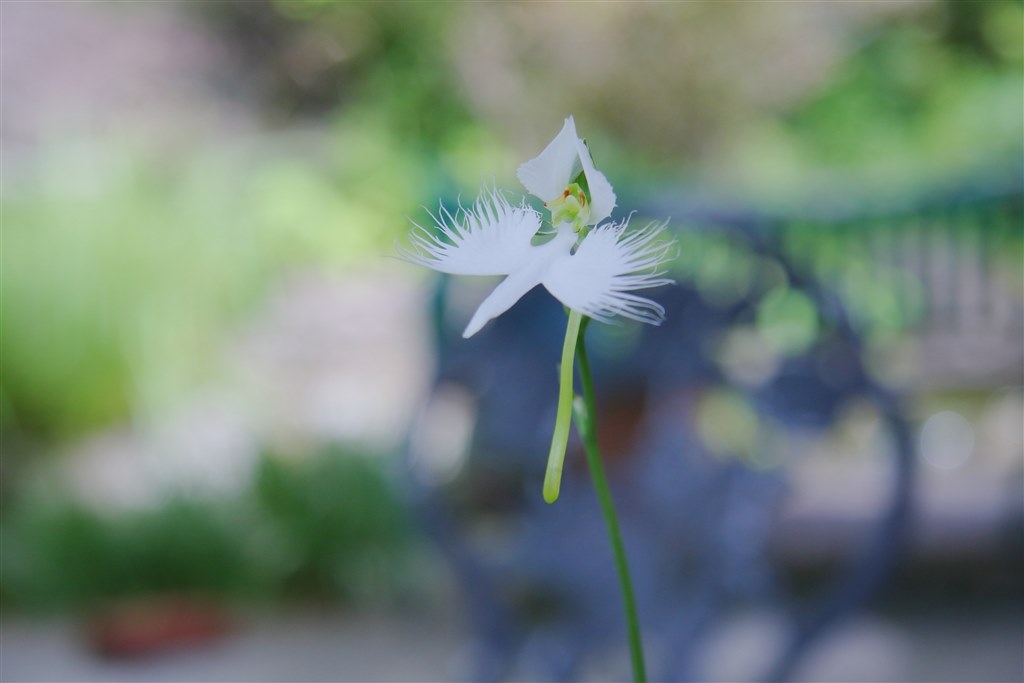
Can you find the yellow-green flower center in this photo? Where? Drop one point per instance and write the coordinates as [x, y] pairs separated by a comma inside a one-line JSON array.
[[571, 207]]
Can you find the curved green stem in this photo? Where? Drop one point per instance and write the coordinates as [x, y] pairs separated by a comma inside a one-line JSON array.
[[563, 418], [585, 417]]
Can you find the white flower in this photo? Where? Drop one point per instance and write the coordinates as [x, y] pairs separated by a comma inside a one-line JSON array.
[[551, 174], [594, 271]]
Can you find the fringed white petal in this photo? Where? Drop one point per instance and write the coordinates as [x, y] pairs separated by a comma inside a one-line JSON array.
[[602, 196], [547, 174], [512, 288], [491, 238], [600, 278]]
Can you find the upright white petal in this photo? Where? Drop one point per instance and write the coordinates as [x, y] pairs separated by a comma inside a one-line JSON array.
[[512, 288], [600, 278], [602, 197], [546, 175], [492, 238]]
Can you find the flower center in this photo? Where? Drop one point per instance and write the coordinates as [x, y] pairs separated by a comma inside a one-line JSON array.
[[571, 207]]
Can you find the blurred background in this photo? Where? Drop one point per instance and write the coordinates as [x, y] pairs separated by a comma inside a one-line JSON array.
[[242, 442]]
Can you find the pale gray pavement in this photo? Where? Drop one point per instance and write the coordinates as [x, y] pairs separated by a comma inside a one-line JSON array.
[[308, 646]]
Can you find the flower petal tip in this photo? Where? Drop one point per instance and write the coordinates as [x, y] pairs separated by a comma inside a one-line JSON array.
[[476, 323]]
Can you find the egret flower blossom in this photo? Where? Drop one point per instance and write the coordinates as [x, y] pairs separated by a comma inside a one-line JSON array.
[[591, 267], [590, 264]]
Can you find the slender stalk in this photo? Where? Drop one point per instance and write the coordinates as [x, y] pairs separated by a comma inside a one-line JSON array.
[[586, 414], [563, 418]]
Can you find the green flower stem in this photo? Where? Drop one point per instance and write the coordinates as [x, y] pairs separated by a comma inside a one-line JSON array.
[[585, 411], [563, 418]]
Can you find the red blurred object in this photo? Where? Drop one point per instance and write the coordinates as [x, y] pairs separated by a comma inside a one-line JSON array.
[[152, 625]]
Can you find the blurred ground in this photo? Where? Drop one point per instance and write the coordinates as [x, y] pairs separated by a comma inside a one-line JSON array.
[[326, 646], [291, 646]]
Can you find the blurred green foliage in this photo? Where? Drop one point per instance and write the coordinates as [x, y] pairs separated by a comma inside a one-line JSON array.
[[929, 97], [380, 64], [60, 554], [119, 283], [787, 320], [912, 103], [336, 523], [329, 526], [115, 288]]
